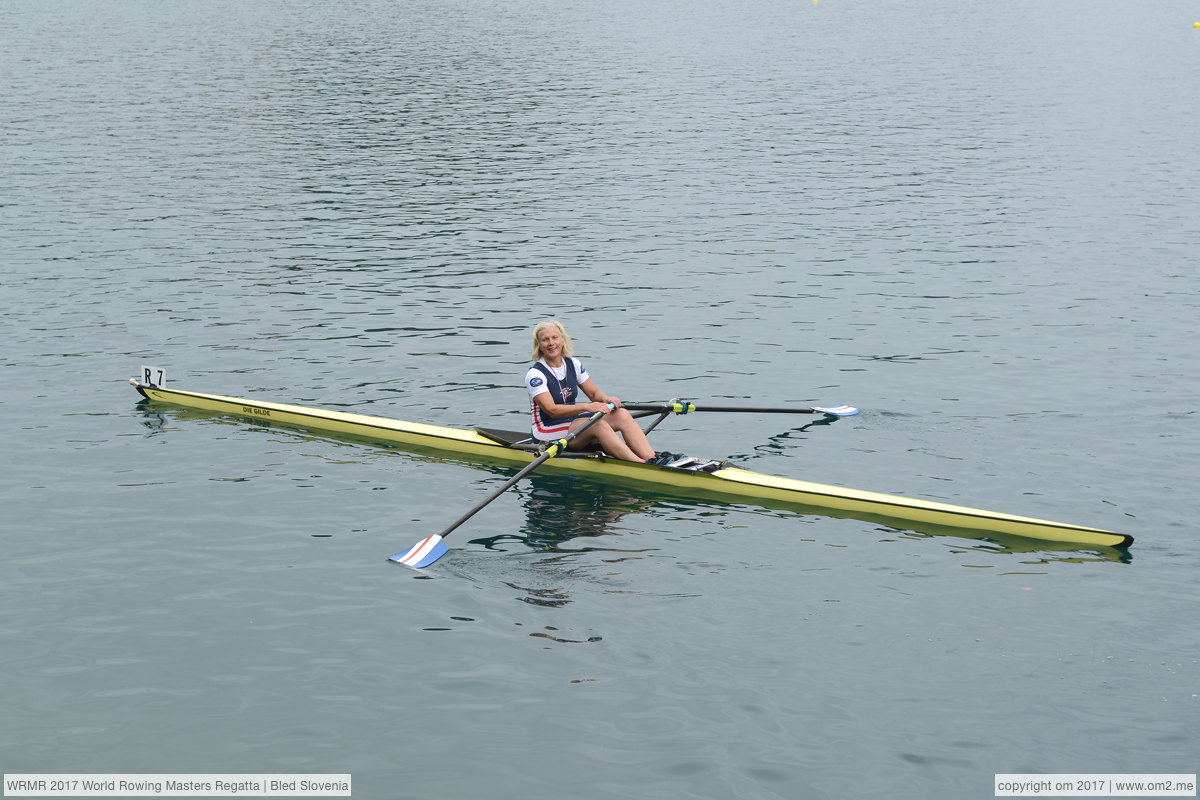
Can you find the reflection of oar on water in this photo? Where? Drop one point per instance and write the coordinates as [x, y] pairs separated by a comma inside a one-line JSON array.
[[431, 548], [687, 408]]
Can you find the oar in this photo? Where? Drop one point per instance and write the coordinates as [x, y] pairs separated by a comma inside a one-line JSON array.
[[687, 408], [431, 548]]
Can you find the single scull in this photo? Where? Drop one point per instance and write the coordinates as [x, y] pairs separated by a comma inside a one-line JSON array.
[[691, 478]]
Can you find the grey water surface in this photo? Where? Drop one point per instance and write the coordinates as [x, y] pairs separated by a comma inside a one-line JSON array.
[[977, 222]]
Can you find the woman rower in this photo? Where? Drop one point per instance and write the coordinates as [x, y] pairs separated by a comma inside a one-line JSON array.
[[554, 382]]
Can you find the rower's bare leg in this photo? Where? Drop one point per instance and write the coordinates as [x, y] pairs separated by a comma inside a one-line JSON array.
[[635, 438], [610, 442]]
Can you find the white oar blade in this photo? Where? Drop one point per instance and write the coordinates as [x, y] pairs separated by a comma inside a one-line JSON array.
[[422, 554], [837, 411]]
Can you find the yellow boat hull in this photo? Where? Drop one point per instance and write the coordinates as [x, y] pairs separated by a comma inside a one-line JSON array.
[[729, 484]]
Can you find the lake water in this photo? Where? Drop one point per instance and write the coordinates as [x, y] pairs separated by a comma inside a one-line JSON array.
[[976, 222]]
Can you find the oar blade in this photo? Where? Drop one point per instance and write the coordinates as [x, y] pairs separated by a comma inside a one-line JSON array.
[[837, 411], [423, 553]]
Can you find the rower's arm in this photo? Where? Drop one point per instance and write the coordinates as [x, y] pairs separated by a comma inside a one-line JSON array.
[[593, 391], [552, 409]]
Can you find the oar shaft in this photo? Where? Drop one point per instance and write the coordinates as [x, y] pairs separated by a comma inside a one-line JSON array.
[[431, 548], [530, 467], [687, 408], [554, 449]]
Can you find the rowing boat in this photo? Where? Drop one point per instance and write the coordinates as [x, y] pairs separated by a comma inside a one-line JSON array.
[[694, 478]]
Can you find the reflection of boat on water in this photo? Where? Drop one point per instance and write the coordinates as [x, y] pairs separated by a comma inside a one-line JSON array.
[[726, 484], [557, 510], [560, 508]]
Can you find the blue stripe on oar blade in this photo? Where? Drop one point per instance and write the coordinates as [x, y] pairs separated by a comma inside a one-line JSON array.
[[422, 554]]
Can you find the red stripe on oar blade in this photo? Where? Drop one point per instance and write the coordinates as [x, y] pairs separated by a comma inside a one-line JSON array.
[[423, 553]]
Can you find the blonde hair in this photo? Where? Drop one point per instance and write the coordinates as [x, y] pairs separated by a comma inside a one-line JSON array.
[[568, 348]]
